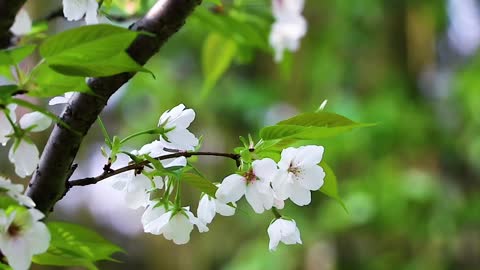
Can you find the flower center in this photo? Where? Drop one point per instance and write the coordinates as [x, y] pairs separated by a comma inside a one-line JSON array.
[[250, 177], [294, 170], [14, 230]]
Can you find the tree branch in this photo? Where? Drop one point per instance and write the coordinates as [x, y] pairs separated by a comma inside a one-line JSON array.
[[109, 173], [8, 11], [48, 183]]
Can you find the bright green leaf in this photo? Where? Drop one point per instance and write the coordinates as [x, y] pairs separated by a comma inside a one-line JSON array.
[[45, 82], [217, 55], [100, 67], [329, 187], [200, 183], [14, 56], [73, 245]]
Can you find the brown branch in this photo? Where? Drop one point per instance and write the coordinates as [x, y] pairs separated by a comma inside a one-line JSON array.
[[48, 183], [8, 11], [140, 165]]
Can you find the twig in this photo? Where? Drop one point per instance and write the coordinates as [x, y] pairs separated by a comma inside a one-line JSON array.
[[106, 174]]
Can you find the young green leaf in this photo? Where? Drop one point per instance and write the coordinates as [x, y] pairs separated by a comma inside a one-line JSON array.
[[329, 187], [74, 241], [200, 183], [45, 82], [217, 55], [14, 56], [310, 126]]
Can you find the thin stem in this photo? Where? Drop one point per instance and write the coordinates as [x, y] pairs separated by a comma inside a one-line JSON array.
[[140, 165], [104, 131], [148, 131], [276, 213]]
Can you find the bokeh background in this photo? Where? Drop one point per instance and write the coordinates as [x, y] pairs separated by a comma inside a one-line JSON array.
[[410, 183]]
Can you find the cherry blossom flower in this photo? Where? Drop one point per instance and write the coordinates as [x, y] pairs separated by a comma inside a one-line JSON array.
[[22, 235], [15, 191], [135, 187], [61, 99], [24, 154], [5, 126], [174, 225], [208, 207], [285, 231], [299, 174], [74, 10], [156, 149], [178, 119], [22, 24], [289, 26], [255, 185]]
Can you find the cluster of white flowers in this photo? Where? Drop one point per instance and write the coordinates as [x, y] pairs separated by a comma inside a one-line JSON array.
[[265, 184], [23, 153], [289, 26], [22, 234]]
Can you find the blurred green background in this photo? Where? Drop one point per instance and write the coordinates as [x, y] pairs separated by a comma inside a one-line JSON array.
[[410, 183]]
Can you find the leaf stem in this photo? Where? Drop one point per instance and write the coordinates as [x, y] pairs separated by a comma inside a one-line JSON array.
[[148, 131]]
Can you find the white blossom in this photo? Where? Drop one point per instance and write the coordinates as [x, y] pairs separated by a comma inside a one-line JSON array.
[[61, 99], [35, 121], [156, 149], [208, 207], [174, 225], [5, 126], [74, 10], [178, 119], [25, 156], [22, 24], [134, 186], [22, 235], [285, 231], [299, 173], [15, 191], [255, 185], [289, 26]]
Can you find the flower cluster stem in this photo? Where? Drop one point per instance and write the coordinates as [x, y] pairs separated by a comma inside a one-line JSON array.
[[93, 180]]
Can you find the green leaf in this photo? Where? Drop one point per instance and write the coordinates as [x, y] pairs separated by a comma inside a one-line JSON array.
[[310, 126], [91, 51], [14, 56], [87, 43], [75, 245], [200, 183], [217, 55], [329, 187], [6, 91], [100, 67], [45, 82]]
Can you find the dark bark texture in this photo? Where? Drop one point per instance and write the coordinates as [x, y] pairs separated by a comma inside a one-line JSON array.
[[49, 182], [8, 10]]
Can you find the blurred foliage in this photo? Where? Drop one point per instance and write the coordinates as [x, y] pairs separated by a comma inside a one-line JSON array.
[[410, 183]]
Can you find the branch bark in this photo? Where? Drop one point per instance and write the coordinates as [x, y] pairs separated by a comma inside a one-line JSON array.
[[8, 11], [49, 182]]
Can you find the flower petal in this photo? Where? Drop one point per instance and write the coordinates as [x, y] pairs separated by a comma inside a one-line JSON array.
[[206, 209], [37, 120], [288, 155], [265, 169], [299, 195], [74, 10], [91, 12], [274, 233], [25, 157], [281, 185], [157, 226], [231, 189], [181, 139], [38, 238], [178, 229], [224, 209], [259, 196], [22, 24], [309, 155], [311, 178]]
